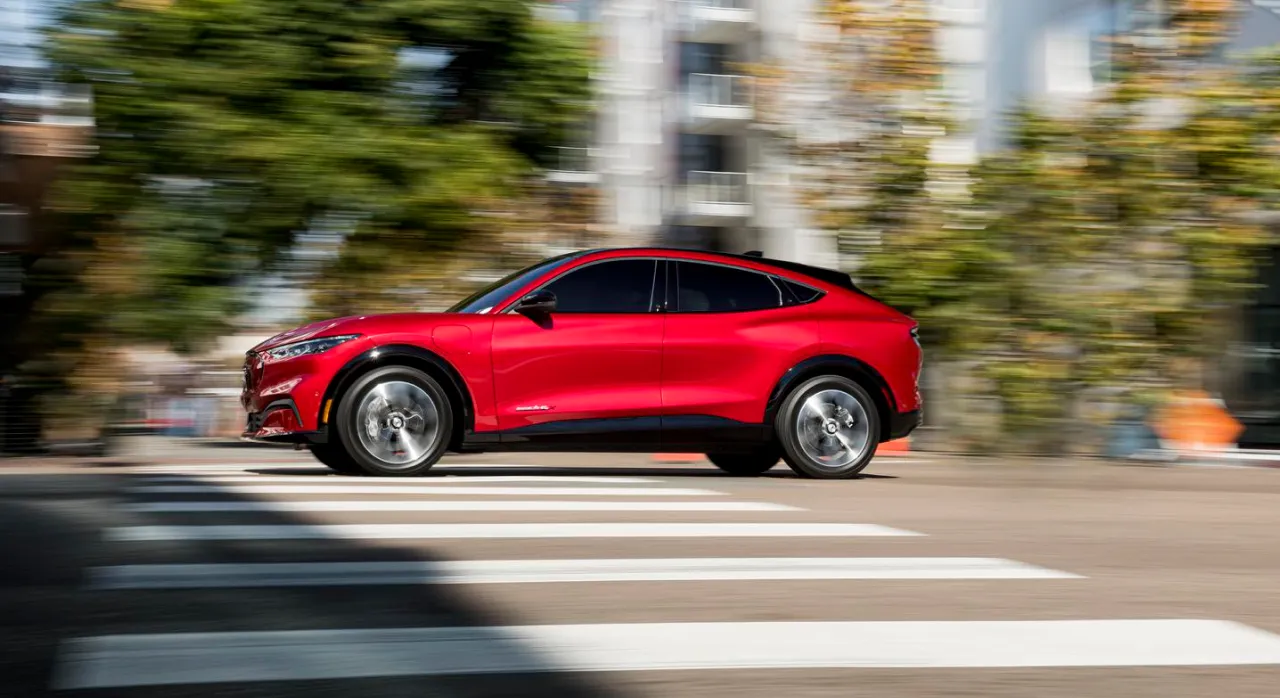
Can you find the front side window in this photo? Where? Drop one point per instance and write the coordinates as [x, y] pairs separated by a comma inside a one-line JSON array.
[[713, 288], [619, 286]]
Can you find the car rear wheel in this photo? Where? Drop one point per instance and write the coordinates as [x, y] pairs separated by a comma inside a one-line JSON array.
[[333, 456], [829, 428], [745, 464], [395, 421]]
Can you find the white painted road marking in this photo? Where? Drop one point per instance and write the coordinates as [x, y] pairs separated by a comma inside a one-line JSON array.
[[473, 479], [428, 489], [551, 571], [170, 659], [446, 505], [499, 530]]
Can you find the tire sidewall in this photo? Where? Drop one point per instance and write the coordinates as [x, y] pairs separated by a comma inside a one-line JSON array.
[[746, 464], [334, 456], [794, 454], [346, 422]]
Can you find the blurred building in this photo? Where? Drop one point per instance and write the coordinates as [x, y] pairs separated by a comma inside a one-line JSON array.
[[672, 147], [43, 125]]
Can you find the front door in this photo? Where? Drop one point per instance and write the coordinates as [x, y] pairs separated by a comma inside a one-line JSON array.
[[589, 370]]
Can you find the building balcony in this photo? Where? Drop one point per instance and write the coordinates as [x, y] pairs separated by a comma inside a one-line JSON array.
[[713, 198], [718, 21], [46, 120], [45, 140], [718, 104], [574, 166]]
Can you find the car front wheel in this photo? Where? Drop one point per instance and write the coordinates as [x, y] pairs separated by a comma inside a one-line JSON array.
[[829, 428], [395, 421]]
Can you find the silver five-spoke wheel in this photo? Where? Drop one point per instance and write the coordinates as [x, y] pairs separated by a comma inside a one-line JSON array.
[[398, 423], [394, 421], [832, 428], [829, 428]]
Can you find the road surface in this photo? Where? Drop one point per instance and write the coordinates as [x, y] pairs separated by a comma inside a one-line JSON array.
[[263, 575]]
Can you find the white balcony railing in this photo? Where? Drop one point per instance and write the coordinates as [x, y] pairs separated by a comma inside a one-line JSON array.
[[720, 90], [717, 188], [723, 4], [718, 21], [49, 103]]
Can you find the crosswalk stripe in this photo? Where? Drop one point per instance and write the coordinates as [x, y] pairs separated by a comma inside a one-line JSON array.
[[450, 479], [445, 489], [445, 505], [551, 571], [499, 530], [169, 659]]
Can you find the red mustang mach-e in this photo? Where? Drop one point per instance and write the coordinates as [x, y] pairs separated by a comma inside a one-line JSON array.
[[746, 359]]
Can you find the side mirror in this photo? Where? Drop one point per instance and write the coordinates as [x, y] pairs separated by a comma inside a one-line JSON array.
[[537, 303]]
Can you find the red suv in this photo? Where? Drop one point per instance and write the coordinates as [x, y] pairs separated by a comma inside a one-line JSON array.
[[746, 359]]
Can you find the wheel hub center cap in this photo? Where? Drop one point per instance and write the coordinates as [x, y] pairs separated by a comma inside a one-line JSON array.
[[397, 422], [831, 427]]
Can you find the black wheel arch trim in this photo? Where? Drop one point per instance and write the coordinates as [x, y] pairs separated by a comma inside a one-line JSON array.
[[841, 365], [403, 355]]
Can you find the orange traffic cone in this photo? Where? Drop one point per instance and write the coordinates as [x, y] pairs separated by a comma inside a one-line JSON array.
[[678, 457], [900, 447]]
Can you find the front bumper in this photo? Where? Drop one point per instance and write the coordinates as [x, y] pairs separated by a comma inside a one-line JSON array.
[[903, 423], [280, 422], [284, 400]]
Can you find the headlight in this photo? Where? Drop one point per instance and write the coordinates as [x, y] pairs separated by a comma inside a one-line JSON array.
[[311, 346]]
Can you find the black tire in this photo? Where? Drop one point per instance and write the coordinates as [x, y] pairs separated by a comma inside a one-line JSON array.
[[385, 449], [336, 458], [746, 464], [798, 448]]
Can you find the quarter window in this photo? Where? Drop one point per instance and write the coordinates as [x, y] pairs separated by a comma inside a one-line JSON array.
[[622, 286], [803, 294], [713, 288]]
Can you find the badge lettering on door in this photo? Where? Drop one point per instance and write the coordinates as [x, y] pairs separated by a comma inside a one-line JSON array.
[[533, 408]]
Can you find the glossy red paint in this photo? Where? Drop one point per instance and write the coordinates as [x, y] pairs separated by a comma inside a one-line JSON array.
[[726, 364], [576, 367], [520, 371]]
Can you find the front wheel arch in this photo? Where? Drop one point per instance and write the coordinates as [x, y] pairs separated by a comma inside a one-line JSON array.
[[409, 356]]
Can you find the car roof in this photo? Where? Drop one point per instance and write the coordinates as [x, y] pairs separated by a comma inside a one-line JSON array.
[[829, 276]]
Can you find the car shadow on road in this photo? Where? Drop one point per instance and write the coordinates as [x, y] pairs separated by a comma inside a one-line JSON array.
[[52, 545], [781, 472]]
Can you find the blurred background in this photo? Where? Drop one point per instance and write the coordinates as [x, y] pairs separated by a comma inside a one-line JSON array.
[[1077, 198]]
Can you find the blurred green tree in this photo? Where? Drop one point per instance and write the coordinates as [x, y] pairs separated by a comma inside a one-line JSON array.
[[225, 129], [1094, 256]]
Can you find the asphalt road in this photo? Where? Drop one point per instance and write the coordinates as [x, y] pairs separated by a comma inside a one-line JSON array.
[[261, 575]]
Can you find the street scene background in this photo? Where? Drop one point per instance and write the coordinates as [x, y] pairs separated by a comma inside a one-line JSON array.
[[1077, 199]]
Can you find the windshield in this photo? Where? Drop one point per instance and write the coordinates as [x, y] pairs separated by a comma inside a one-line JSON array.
[[490, 296]]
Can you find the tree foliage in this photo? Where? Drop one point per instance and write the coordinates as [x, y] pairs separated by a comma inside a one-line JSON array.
[[1096, 252], [226, 128]]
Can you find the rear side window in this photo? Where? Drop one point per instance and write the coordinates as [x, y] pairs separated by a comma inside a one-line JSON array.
[[712, 288]]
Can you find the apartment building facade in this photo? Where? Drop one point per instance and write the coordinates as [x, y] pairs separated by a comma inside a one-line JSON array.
[[672, 146]]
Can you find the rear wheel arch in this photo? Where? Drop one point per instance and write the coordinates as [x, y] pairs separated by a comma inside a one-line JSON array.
[[411, 356], [849, 367]]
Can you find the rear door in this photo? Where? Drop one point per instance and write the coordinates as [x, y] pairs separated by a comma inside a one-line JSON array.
[[731, 333], [593, 365]]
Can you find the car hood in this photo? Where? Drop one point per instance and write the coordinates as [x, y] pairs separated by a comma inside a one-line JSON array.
[[357, 324]]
